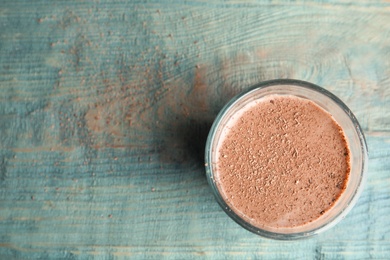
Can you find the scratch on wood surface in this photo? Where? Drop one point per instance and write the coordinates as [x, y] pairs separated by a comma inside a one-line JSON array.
[[18, 248], [91, 251], [348, 68], [27, 218], [43, 149], [378, 133]]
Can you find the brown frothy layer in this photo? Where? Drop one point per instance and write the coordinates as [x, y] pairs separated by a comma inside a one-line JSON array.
[[283, 163]]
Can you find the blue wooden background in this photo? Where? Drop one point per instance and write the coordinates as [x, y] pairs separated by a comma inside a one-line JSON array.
[[105, 107]]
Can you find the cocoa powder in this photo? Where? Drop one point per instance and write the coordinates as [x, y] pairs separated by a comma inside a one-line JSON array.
[[283, 162]]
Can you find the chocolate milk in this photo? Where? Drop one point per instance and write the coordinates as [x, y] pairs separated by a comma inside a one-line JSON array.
[[282, 162]]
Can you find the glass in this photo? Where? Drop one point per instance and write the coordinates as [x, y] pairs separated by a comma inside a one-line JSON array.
[[343, 116]]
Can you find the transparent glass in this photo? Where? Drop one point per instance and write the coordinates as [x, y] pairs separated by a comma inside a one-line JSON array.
[[342, 115]]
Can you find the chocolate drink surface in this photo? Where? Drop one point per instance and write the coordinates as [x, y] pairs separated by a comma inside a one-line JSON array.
[[282, 162]]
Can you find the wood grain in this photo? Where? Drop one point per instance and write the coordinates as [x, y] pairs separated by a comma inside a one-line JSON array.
[[105, 107]]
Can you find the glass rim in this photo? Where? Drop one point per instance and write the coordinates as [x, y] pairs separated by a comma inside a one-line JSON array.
[[231, 213]]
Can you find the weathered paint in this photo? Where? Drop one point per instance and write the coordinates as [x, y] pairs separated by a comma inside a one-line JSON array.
[[105, 106]]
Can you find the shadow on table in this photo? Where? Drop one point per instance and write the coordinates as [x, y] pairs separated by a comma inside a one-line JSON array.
[[192, 105]]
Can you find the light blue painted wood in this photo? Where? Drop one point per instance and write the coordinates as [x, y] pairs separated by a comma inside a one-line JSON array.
[[104, 108]]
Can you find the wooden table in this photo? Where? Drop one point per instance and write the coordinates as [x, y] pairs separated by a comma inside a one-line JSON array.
[[105, 107]]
